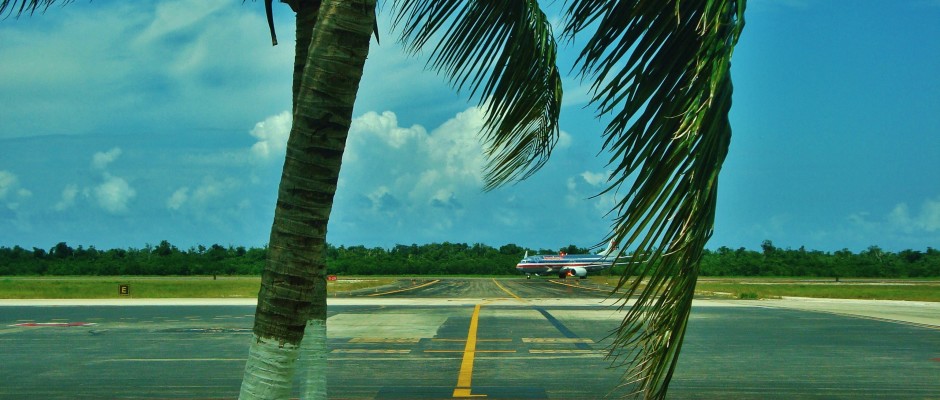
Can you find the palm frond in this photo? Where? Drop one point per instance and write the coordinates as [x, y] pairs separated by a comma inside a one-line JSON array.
[[26, 7], [661, 70], [504, 51]]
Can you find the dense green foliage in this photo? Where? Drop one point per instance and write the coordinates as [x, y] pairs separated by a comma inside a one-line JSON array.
[[872, 262], [447, 259]]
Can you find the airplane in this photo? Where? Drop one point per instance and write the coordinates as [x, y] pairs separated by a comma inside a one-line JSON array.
[[566, 265]]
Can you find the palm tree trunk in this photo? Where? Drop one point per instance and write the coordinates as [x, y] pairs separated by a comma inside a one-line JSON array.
[[293, 285], [307, 13]]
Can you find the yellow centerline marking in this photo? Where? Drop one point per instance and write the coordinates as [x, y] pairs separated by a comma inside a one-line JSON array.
[[477, 351], [507, 290], [406, 289], [466, 365]]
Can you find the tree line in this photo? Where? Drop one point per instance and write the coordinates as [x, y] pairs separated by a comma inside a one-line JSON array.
[[448, 259]]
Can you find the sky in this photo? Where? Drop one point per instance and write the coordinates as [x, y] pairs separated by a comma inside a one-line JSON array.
[[127, 123]]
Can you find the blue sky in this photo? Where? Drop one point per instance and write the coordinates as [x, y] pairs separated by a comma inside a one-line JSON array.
[[128, 123]]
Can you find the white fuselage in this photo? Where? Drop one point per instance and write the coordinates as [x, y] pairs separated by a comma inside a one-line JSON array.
[[550, 264]]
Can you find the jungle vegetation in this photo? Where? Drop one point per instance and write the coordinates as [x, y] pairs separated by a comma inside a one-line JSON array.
[[447, 258]]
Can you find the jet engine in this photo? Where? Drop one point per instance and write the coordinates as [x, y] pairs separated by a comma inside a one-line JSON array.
[[572, 271]]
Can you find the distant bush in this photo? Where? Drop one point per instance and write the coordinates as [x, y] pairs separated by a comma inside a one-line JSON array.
[[448, 259]]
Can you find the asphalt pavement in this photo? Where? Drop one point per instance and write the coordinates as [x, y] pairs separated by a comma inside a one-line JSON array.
[[535, 339]]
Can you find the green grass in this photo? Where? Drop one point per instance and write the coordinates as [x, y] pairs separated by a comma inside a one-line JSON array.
[[247, 287], [152, 287], [748, 296], [773, 287], [913, 291]]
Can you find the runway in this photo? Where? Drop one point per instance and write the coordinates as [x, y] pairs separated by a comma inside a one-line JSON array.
[[502, 339]]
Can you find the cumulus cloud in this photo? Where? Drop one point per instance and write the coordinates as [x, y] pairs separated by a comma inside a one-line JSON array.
[[903, 224], [7, 182], [383, 201], [930, 215], [203, 196], [430, 180], [564, 140], [10, 191], [272, 134], [127, 64], [445, 199], [172, 17], [584, 191], [455, 146], [114, 194], [69, 193], [408, 175], [178, 198], [926, 219], [412, 163], [594, 178], [101, 159], [384, 127]]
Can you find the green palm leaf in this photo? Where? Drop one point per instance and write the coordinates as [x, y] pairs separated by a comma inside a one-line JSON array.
[[661, 71], [503, 51], [27, 7]]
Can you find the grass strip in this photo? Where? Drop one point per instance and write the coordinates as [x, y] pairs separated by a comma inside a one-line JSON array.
[[750, 288], [152, 287], [910, 292]]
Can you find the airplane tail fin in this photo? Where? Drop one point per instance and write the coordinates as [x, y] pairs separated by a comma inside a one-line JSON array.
[[611, 247]]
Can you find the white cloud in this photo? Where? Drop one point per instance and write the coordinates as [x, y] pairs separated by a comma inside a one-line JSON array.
[[378, 135], [101, 159], [564, 140], [7, 181], [900, 218], [178, 198], [432, 179], [571, 184], [581, 195], [903, 225], [454, 149], [445, 199], [204, 196], [272, 134], [175, 16], [211, 189], [930, 215], [408, 176], [383, 201], [594, 178], [927, 219], [385, 128], [68, 198], [114, 194], [411, 162], [10, 190], [111, 67]]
